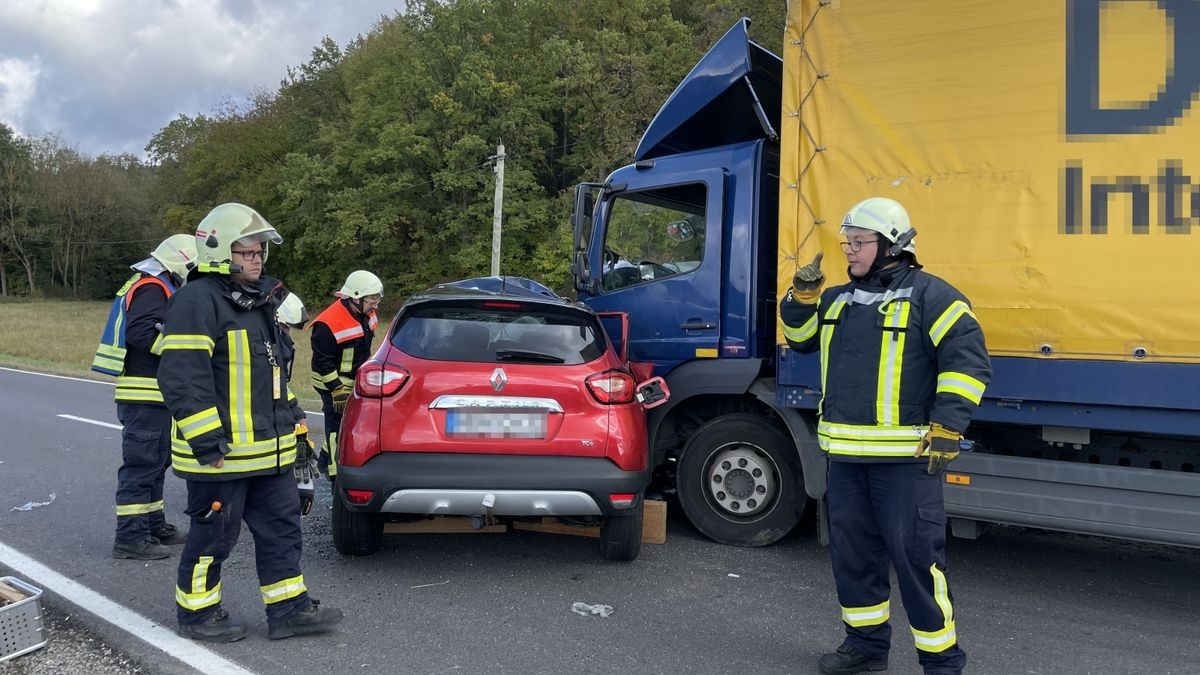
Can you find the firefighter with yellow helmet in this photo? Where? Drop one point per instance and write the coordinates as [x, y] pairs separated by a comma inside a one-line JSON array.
[[903, 367], [127, 350], [222, 378], [341, 342]]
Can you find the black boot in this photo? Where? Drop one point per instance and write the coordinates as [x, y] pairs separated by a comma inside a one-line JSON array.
[[311, 619], [169, 535], [146, 550], [218, 627], [847, 660]]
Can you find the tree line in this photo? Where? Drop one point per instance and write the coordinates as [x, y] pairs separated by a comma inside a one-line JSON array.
[[378, 154]]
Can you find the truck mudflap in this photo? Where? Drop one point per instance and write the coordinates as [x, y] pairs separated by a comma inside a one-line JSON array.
[[1112, 501]]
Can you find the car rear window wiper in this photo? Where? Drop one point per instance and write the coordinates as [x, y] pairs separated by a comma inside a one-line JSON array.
[[520, 355]]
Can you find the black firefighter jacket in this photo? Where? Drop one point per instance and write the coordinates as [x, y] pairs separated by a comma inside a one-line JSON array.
[[224, 381], [899, 349]]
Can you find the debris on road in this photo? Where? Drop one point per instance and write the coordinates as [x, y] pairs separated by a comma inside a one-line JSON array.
[[29, 506], [584, 609]]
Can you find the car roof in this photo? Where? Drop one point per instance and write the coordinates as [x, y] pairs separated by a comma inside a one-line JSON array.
[[495, 288]]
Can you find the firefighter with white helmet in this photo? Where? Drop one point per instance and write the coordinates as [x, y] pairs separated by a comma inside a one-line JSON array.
[[903, 368], [341, 342], [127, 350], [222, 378], [290, 316]]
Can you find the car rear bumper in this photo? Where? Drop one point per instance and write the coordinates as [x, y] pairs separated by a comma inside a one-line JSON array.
[[520, 485]]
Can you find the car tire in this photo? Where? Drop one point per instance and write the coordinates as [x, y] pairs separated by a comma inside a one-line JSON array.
[[766, 488], [355, 532], [621, 536]]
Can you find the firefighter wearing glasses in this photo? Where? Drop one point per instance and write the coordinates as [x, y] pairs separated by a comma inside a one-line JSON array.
[[128, 350], [341, 342], [223, 379], [903, 367]]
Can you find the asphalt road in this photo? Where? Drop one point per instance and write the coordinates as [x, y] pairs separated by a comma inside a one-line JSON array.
[[1026, 601]]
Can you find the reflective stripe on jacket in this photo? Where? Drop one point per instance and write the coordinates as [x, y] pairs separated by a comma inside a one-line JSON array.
[[223, 380], [134, 385], [336, 360], [895, 355]]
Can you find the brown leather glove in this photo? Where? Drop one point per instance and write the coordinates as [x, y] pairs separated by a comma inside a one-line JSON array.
[[340, 398], [942, 446], [807, 283]]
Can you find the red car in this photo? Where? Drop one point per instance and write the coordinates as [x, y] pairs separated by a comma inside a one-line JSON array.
[[497, 399]]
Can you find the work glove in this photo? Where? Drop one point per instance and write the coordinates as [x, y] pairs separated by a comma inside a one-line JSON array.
[[942, 446], [340, 398], [305, 468], [806, 285]]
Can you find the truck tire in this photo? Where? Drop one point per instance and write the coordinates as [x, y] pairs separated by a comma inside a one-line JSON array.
[[740, 482], [621, 536], [355, 532]]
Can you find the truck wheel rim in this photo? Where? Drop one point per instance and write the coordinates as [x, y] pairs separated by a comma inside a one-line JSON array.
[[741, 481]]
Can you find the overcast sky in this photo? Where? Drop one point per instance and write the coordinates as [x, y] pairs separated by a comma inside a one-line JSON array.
[[108, 74]]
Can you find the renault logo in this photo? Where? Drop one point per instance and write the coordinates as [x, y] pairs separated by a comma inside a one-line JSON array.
[[498, 379]]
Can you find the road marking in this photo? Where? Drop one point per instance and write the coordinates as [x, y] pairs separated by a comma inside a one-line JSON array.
[[109, 384], [58, 377], [96, 422], [153, 634]]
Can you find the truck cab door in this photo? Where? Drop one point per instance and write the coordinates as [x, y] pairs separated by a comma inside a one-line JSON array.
[[655, 254]]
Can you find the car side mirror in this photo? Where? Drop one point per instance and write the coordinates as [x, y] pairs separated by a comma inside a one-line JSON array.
[[653, 393]]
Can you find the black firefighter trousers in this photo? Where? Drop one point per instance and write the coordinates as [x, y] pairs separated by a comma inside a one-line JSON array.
[[270, 506], [881, 512], [145, 456]]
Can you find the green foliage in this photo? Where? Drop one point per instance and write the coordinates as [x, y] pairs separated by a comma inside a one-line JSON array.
[[378, 155]]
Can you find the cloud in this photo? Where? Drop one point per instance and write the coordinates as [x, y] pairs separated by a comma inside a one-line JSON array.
[[108, 74], [18, 84]]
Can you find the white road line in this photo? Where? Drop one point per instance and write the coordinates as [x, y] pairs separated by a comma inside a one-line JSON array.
[[57, 377], [153, 634], [109, 384], [96, 422]]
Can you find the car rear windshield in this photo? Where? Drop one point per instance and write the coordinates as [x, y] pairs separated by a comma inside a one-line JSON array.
[[516, 333]]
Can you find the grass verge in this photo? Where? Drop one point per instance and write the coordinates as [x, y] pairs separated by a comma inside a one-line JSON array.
[[60, 337]]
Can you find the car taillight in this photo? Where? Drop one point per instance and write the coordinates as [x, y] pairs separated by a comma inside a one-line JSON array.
[[376, 380], [611, 386]]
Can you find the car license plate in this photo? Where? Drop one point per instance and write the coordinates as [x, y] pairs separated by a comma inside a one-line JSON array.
[[496, 424]]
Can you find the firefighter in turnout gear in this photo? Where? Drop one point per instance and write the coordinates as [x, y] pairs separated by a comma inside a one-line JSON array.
[[222, 377], [903, 367], [291, 314], [341, 342], [128, 350]]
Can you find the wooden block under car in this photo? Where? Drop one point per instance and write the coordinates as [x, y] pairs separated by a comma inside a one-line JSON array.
[[442, 525], [654, 525]]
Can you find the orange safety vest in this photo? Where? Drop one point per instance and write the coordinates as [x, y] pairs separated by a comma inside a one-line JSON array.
[[346, 329]]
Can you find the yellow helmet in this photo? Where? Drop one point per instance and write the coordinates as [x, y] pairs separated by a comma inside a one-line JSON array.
[[360, 284], [882, 215], [177, 253], [291, 311], [224, 225]]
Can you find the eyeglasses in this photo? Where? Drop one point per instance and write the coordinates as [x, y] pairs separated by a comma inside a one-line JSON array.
[[261, 254], [856, 246]]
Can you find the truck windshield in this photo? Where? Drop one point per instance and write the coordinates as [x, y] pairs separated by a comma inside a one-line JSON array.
[[654, 234]]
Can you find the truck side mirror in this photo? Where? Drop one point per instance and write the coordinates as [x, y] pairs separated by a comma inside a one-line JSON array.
[[653, 393], [581, 215]]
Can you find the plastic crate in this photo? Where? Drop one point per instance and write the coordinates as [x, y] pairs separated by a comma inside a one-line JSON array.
[[21, 626]]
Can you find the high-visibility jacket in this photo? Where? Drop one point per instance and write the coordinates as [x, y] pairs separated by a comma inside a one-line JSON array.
[[224, 382], [128, 342], [899, 350], [341, 343]]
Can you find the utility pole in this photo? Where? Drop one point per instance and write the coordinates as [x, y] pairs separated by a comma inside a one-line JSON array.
[[497, 208]]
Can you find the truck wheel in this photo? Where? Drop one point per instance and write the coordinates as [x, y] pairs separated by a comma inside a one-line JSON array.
[[354, 532], [621, 536], [740, 482]]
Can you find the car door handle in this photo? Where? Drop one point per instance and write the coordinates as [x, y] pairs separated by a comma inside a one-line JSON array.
[[697, 324]]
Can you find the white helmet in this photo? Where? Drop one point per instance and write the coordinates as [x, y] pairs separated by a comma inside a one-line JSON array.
[[291, 311], [224, 225], [882, 215], [177, 253], [360, 284]]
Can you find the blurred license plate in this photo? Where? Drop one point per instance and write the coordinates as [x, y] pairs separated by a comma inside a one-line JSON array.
[[496, 424]]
